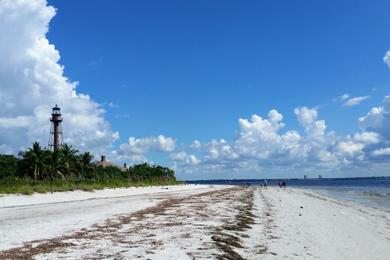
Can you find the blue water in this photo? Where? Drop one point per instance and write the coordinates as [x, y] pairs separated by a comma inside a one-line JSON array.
[[373, 192]]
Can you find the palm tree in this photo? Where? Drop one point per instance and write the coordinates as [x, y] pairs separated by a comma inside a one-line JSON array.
[[35, 161], [85, 164], [55, 166], [69, 158]]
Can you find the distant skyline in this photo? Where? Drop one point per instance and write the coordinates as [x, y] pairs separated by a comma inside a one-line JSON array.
[[214, 89]]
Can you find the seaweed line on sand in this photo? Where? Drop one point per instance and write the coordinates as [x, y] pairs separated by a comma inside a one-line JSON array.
[[38, 247], [226, 237]]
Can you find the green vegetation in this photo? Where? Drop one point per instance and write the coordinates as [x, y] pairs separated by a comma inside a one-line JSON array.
[[41, 170]]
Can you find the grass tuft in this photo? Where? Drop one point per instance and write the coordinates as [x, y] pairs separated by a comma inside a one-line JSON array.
[[17, 186]]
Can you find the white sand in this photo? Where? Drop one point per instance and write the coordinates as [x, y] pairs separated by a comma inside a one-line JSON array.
[[325, 228], [18, 200], [249, 223], [24, 218]]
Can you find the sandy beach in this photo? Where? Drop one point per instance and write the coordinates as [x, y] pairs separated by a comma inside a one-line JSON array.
[[191, 222]]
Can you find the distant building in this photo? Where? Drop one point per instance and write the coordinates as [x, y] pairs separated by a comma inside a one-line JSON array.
[[305, 177], [124, 168], [319, 176], [104, 163]]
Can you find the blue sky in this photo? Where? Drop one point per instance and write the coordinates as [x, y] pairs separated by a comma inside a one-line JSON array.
[[189, 70]]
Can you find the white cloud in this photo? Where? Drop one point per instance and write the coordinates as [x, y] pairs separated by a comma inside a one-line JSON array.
[[136, 150], [344, 97], [258, 137], [16, 122], [378, 119], [306, 116], [261, 145], [183, 157], [220, 150], [367, 137], [32, 81], [121, 157], [350, 148], [386, 58], [373, 119], [147, 144], [381, 152], [196, 144], [355, 101]]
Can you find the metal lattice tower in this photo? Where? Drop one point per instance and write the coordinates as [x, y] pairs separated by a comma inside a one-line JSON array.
[[55, 138]]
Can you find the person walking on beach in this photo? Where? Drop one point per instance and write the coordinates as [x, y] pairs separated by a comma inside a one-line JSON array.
[[282, 184]]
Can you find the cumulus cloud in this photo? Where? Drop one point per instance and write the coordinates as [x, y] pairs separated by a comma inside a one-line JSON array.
[[386, 58], [183, 157], [349, 148], [144, 145], [306, 116], [350, 102], [258, 137], [137, 149], [32, 81], [196, 144], [367, 137], [262, 145], [378, 119], [381, 152]]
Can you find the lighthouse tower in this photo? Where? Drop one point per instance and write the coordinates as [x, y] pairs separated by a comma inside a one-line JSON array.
[[55, 138]]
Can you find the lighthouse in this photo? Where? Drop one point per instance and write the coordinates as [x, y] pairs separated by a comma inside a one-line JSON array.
[[55, 138]]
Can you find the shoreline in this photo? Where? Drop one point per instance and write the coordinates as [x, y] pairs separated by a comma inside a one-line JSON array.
[[371, 199], [325, 194], [327, 228], [216, 222]]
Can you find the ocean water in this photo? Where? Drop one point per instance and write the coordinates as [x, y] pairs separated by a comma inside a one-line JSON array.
[[373, 192]]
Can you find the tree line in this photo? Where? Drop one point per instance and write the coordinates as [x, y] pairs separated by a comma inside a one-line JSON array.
[[67, 164]]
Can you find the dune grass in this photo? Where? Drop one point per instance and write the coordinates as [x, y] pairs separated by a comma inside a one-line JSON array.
[[30, 187]]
